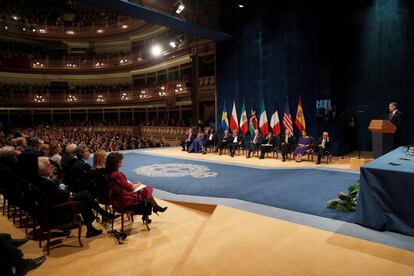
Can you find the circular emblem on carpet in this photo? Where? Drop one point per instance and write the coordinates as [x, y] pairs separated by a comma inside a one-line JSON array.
[[175, 170]]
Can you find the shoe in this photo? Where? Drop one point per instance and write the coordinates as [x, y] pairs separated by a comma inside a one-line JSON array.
[[318, 163], [19, 242], [183, 150], [159, 209], [283, 160], [93, 232], [29, 264], [204, 152], [146, 219]]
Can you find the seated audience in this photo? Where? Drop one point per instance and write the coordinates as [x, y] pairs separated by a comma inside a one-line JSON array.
[[286, 143], [12, 257], [225, 141], [81, 171], [211, 141], [255, 143], [198, 143], [236, 143], [68, 159], [324, 146], [304, 145], [141, 201], [186, 143], [269, 144], [54, 152], [98, 177], [56, 194]]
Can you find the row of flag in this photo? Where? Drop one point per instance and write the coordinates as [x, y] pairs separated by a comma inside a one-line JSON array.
[[249, 125]]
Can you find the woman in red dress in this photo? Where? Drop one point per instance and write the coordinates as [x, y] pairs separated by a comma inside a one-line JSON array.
[[130, 199]]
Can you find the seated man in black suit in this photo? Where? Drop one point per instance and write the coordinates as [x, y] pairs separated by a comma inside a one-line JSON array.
[[12, 257], [270, 143], [224, 141], [287, 142], [68, 159], [255, 143], [186, 143], [82, 180], [211, 141], [236, 142], [324, 146], [56, 194]]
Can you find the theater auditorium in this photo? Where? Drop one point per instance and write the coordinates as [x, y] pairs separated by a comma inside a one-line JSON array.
[[206, 137]]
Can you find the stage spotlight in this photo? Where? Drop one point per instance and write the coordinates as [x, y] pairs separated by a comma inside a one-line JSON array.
[[173, 44], [241, 6], [179, 7], [156, 50]]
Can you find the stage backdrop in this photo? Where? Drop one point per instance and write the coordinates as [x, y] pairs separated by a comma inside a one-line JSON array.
[[359, 54]]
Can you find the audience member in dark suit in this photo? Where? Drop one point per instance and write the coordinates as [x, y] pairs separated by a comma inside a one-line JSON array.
[[27, 166], [255, 143], [189, 140], [287, 142], [270, 143], [211, 141], [324, 146], [236, 142], [57, 194], [12, 257], [81, 171], [68, 159], [395, 117], [224, 141]]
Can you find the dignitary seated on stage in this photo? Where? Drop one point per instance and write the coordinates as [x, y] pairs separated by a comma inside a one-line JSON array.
[[324, 147], [186, 143], [123, 192], [212, 140], [303, 147], [198, 143], [57, 193], [255, 143], [287, 142], [225, 141], [236, 143], [270, 143]]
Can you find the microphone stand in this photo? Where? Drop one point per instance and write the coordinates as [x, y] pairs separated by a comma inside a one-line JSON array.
[[361, 109]]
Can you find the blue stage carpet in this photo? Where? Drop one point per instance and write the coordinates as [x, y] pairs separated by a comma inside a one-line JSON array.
[[300, 190]]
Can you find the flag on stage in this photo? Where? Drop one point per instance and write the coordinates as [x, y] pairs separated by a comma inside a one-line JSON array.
[[275, 123], [253, 121], [244, 124], [287, 118], [300, 117], [234, 125], [224, 118], [264, 126]]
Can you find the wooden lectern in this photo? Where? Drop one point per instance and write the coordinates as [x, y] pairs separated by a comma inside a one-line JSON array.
[[382, 136]]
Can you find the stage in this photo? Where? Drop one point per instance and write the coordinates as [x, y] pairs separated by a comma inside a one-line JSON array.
[[256, 230]]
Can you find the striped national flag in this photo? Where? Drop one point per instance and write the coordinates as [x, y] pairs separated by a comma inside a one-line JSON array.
[[287, 118]]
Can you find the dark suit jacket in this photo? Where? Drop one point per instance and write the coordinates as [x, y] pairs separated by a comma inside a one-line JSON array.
[[274, 140], [291, 140], [259, 139], [327, 144], [214, 138], [55, 196], [226, 139], [396, 119], [81, 175]]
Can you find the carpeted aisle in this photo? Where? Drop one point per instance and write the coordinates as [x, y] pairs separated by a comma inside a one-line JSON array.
[[300, 190]]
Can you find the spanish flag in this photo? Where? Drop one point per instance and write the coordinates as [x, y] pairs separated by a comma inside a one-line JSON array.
[[300, 117]]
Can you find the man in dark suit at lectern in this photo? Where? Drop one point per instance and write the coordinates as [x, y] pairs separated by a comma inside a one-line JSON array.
[[395, 117]]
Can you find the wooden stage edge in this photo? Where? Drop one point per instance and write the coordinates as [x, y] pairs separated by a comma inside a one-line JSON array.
[[202, 239]]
